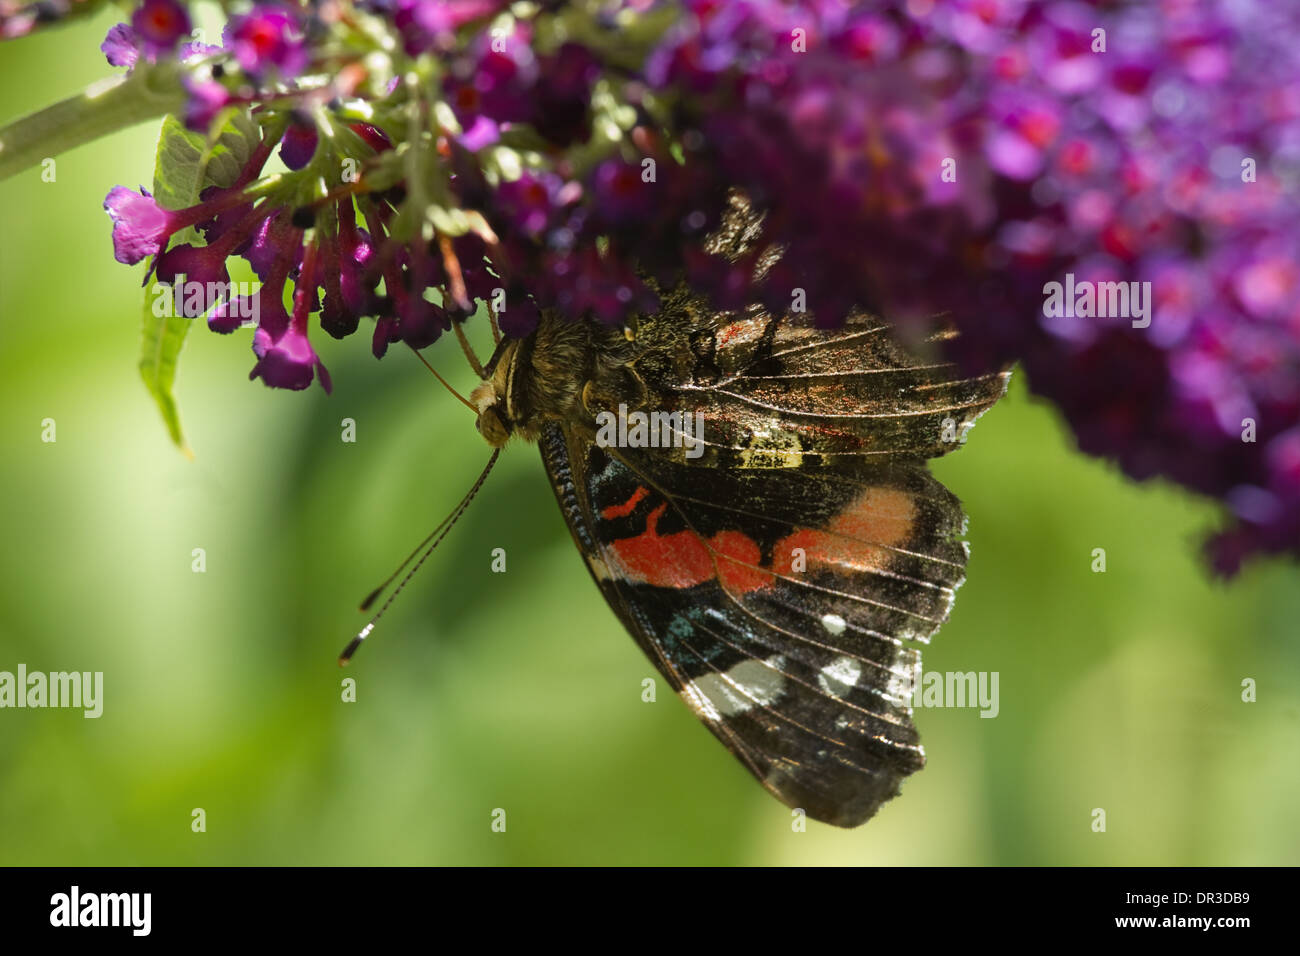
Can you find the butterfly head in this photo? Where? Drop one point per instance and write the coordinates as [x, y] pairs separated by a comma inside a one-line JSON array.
[[492, 423], [549, 376], [492, 396]]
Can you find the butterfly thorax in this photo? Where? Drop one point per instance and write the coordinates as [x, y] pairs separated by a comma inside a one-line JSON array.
[[564, 372]]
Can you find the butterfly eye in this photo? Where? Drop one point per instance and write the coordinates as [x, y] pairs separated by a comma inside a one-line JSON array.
[[492, 427]]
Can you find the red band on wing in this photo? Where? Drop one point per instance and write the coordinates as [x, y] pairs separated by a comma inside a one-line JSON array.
[[682, 559], [667, 561], [627, 507], [858, 539]]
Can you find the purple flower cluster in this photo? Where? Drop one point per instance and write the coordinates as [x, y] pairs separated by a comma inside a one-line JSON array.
[[954, 158], [914, 158]]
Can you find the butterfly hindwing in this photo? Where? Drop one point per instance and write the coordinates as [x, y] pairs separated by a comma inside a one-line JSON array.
[[781, 604]]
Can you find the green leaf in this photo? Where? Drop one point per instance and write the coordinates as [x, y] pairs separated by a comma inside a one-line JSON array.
[[187, 164], [449, 222], [160, 347]]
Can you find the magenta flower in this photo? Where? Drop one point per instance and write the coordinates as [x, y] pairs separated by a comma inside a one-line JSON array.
[[273, 252], [497, 85], [431, 24], [267, 40], [374, 137], [520, 315], [201, 266], [285, 358], [298, 144], [140, 226], [623, 197], [532, 202], [275, 247], [160, 25], [121, 47], [288, 361], [204, 100], [562, 99], [348, 287], [266, 304]]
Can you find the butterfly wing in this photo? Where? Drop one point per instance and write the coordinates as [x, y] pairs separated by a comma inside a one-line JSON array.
[[782, 604], [781, 563], [774, 393]]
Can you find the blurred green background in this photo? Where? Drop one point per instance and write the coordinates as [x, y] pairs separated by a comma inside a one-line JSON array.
[[520, 690]]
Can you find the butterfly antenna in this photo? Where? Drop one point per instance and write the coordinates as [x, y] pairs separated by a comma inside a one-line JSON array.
[[444, 527], [459, 295], [461, 398], [468, 349]]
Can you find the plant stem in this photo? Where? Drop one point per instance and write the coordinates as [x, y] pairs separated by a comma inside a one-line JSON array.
[[149, 91]]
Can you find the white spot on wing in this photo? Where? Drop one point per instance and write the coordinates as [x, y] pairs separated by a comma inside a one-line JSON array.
[[840, 676], [696, 700], [748, 684], [902, 684], [833, 623], [598, 568]]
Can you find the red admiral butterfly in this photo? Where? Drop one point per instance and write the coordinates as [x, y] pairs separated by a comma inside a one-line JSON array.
[[779, 565]]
